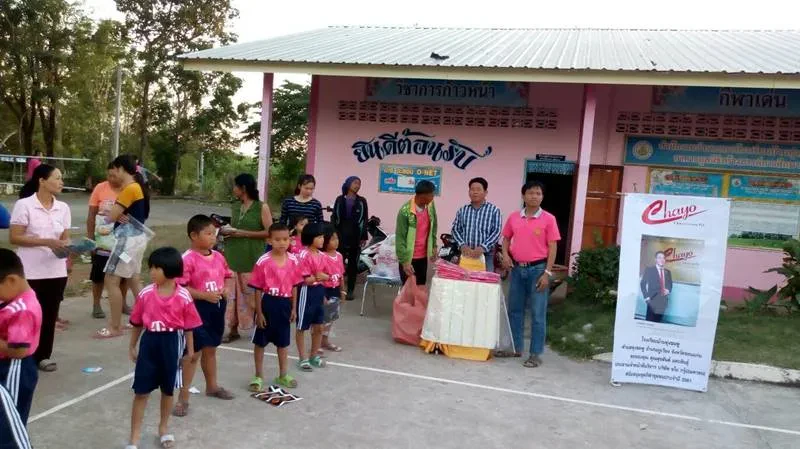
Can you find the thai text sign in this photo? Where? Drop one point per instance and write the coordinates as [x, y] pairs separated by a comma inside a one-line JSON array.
[[681, 182], [735, 156], [404, 178], [725, 100], [764, 188], [416, 143], [478, 93]]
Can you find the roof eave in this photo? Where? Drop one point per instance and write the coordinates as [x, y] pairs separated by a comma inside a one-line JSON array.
[[647, 78]]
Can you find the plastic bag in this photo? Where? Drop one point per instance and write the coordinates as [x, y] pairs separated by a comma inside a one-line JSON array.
[[386, 264], [473, 263], [131, 241], [104, 234], [408, 313]]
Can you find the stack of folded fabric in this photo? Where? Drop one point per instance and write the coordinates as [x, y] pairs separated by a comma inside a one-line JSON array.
[[447, 270]]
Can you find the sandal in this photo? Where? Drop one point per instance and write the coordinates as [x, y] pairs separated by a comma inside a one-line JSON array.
[[256, 385], [506, 354], [48, 366], [532, 362], [181, 409], [98, 313], [317, 362], [63, 322], [221, 393], [167, 441], [305, 365], [285, 381], [106, 333], [332, 347]]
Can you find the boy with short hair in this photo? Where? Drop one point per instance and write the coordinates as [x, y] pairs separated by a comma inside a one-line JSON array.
[[20, 325], [276, 276], [165, 312], [416, 229], [205, 273]]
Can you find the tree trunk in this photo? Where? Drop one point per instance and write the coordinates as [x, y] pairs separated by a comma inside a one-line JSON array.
[[145, 117]]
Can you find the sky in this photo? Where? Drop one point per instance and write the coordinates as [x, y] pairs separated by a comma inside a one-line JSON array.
[[264, 19]]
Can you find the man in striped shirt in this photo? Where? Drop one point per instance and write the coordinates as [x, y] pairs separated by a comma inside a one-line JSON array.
[[477, 226]]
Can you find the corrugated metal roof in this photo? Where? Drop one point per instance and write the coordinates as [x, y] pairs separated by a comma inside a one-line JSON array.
[[751, 52]]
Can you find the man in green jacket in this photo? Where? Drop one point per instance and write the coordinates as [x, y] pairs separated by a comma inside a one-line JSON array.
[[415, 235]]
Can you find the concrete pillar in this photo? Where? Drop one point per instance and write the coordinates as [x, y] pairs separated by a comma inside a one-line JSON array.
[[266, 136], [584, 160], [313, 114]]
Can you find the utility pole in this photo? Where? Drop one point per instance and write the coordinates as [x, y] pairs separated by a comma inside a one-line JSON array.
[[115, 148]]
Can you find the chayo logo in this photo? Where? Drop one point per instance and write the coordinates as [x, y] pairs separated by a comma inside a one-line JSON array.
[[658, 212]]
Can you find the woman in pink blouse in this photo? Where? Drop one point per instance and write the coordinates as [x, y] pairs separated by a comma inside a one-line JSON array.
[[39, 225]]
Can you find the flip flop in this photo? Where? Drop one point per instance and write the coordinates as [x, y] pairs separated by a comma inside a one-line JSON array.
[[105, 333], [332, 347], [506, 354], [48, 366], [221, 393], [286, 381], [98, 313], [63, 322], [532, 362], [256, 385], [167, 441], [305, 365], [181, 409]]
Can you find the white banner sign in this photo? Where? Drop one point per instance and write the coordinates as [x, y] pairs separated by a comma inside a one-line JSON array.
[[672, 262]]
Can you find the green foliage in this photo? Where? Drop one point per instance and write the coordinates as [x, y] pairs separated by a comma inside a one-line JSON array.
[[595, 275], [786, 295]]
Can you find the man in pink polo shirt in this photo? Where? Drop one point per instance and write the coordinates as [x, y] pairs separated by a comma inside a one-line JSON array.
[[529, 249]]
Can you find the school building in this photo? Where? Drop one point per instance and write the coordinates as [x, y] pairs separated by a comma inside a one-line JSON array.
[[592, 113]]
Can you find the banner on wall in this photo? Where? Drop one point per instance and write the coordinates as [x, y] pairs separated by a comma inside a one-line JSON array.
[[726, 100], [764, 188], [672, 261], [723, 155], [404, 178], [681, 182], [451, 92]]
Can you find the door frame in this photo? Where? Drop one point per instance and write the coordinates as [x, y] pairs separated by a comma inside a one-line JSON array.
[[573, 173]]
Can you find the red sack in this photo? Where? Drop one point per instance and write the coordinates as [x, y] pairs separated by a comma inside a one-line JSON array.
[[408, 313]]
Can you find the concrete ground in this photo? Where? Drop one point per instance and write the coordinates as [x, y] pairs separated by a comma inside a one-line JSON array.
[[378, 394]]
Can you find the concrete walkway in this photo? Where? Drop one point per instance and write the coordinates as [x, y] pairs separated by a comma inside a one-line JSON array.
[[378, 394]]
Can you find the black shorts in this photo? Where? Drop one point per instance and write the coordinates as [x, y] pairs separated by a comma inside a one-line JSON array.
[[19, 378], [159, 362], [209, 335], [98, 274], [310, 306], [278, 314]]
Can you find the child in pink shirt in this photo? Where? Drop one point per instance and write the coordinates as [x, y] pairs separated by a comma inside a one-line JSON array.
[[165, 312], [205, 275], [311, 297], [296, 224], [334, 268], [20, 325], [276, 276]]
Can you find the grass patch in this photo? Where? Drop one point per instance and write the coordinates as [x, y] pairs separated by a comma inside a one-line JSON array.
[[756, 243], [761, 337]]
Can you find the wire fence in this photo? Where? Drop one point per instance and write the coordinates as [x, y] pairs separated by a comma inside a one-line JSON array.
[[14, 168]]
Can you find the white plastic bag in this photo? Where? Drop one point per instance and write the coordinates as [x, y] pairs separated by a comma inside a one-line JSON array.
[[386, 264]]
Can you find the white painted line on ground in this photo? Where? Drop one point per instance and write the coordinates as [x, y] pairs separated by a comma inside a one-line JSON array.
[[544, 396], [80, 398]]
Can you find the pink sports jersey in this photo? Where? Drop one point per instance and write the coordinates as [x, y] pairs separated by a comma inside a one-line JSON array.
[[158, 314], [311, 263], [21, 322], [295, 247], [334, 267], [275, 280], [204, 273]]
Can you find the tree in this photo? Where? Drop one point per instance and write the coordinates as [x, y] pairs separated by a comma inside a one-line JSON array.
[[162, 29], [289, 138]]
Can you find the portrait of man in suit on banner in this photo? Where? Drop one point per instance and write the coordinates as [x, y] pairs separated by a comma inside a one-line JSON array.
[[656, 285]]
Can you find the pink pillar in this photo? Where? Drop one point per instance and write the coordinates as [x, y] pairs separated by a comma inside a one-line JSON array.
[[266, 136], [313, 113], [584, 160]]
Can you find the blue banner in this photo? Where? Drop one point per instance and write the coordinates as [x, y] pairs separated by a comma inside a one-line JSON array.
[[681, 182], [454, 92], [726, 100], [404, 178], [769, 188], [733, 156]]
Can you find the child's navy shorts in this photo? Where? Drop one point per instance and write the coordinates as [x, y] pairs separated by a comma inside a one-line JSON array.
[[310, 306], [159, 362], [331, 307], [209, 335], [278, 313], [18, 378]]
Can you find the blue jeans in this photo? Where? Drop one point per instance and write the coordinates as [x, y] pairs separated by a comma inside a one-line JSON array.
[[523, 290]]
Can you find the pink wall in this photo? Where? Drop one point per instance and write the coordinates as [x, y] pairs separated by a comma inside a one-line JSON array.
[[503, 169]]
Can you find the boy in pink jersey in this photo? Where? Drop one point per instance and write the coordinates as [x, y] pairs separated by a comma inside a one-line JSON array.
[[276, 276], [165, 312], [205, 273], [296, 225], [20, 325], [334, 268], [311, 297]]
